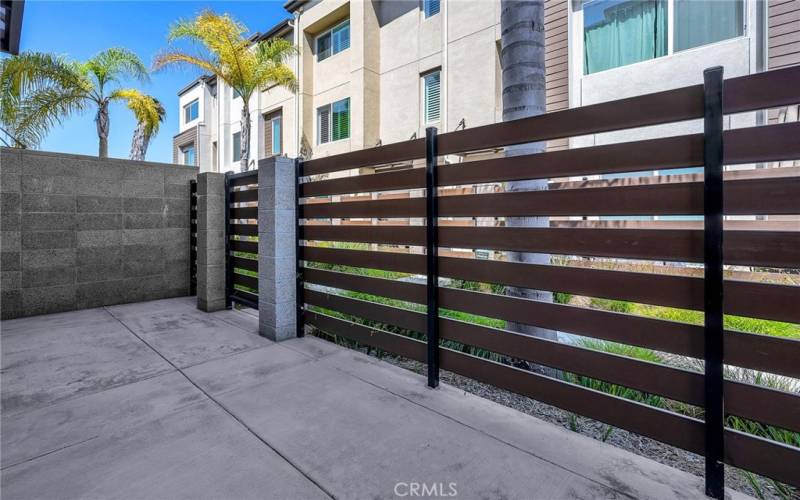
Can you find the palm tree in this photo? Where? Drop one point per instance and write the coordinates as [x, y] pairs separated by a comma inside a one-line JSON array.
[[38, 91], [149, 115], [522, 60], [226, 52]]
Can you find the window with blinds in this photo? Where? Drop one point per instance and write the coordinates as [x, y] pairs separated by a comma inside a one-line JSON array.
[[430, 7], [431, 95], [333, 121], [333, 41]]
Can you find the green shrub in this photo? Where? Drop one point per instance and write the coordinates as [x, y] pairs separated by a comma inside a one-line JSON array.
[[612, 305], [562, 297]]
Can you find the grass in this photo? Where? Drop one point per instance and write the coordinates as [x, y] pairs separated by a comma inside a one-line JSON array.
[[739, 323]]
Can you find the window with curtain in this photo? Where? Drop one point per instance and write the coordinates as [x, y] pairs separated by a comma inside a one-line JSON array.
[[430, 7], [333, 41], [431, 96], [700, 22], [333, 121], [621, 32], [237, 146]]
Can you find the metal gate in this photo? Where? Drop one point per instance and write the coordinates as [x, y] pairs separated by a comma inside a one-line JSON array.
[[241, 238]]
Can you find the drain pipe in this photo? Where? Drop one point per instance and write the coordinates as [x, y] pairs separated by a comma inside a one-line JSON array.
[[445, 68], [295, 24]]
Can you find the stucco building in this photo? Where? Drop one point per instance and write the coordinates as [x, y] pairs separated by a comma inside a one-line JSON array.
[[377, 72]]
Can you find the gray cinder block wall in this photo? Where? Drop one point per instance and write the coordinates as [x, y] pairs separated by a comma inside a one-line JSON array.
[[211, 242], [276, 248], [81, 232]]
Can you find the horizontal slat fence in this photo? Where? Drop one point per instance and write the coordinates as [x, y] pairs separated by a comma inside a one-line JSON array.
[[365, 281], [241, 233]]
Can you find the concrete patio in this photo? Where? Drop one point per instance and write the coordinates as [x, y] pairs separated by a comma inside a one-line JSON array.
[[160, 400]]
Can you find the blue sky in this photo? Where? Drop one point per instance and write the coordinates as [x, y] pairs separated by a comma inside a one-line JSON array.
[[81, 29]]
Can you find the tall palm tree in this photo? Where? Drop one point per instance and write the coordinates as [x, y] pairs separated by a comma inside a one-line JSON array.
[[226, 52], [149, 115], [39, 91], [522, 60]]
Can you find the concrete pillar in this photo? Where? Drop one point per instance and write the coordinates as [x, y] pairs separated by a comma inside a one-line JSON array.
[[276, 248], [210, 241]]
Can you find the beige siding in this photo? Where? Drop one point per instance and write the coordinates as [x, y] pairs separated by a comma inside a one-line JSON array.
[[784, 33], [784, 45], [557, 71]]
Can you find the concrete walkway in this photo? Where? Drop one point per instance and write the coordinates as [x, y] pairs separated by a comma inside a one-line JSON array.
[[158, 400]]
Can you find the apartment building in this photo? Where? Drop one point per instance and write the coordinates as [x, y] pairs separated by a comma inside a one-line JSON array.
[[377, 72], [370, 73]]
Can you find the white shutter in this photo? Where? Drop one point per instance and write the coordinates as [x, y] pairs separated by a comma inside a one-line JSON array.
[[431, 7], [432, 97], [341, 37], [324, 124]]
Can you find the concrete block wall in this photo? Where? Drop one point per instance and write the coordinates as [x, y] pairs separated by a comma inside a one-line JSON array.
[[211, 242], [276, 248], [81, 232]]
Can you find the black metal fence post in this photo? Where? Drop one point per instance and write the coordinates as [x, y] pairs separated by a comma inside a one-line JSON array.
[[712, 244], [299, 287], [192, 237], [228, 260], [431, 247]]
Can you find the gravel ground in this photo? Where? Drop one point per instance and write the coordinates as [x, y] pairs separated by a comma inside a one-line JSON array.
[[654, 450]]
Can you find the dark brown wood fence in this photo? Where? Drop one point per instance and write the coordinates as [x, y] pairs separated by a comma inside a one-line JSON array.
[[241, 237], [771, 249]]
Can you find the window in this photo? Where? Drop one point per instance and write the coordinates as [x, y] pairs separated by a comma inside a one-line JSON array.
[[333, 121], [273, 138], [276, 136], [430, 7], [700, 22], [431, 96], [191, 111], [333, 41], [188, 155], [621, 32], [237, 146]]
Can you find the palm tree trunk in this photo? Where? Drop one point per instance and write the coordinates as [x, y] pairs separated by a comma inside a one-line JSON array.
[[245, 142], [102, 128], [138, 143], [522, 59]]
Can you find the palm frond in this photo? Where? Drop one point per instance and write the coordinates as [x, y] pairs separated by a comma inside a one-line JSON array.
[[272, 68], [36, 89], [148, 110], [226, 46], [44, 109], [176, 58], [116, 63]]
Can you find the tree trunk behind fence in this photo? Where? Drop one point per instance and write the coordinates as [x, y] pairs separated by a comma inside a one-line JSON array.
[[139, 143], [522, 59], [102, 129], [245, 138]]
